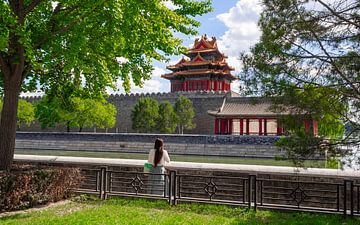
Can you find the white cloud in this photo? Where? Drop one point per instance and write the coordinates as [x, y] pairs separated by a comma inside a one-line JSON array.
[[157, 72], [243, 32]]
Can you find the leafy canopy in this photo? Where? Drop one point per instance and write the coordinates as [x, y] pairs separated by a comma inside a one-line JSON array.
[[76, 112], [185, 112], [145, 115], [89, 38], [167, 120]]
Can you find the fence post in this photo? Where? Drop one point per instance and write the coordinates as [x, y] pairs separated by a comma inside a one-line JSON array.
[[255, 192], [348, 184], [169, 187], [102, 191], [351, 197], [252, 189], [174, 184]]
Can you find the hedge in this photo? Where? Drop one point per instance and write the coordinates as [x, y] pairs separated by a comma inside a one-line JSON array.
[[26, 186]]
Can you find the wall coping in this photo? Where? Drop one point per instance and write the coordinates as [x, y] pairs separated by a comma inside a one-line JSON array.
[[252, 169]]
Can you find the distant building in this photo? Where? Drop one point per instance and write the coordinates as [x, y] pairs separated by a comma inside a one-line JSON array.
[[205, 70], [205, 78]]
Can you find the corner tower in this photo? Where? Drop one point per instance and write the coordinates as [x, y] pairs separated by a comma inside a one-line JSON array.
[[206, 69]]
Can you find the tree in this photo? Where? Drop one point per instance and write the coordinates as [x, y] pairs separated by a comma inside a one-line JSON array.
[[25, 113], [76, 112], [145, 114], [96, 42], [308, 58], [93, 113], [185, 112], [167, 119]]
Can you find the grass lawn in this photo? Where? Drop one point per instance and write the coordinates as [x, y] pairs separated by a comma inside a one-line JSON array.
[[140, 211], [181, 158]]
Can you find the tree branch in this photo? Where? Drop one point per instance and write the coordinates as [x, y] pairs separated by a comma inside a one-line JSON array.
[[338, 15], [334, 65], [31, 6], [66, 27]]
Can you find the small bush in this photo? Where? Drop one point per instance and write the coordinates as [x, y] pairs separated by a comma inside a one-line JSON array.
[[26, 186]]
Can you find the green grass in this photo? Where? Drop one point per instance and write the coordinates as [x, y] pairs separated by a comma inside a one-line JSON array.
[[140, 211], [181, 158]]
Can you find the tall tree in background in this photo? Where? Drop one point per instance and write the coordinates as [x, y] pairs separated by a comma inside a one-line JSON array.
[[145, 115], [97, 41], [75, 112], [185, 112], [309, 58], [167, 120]]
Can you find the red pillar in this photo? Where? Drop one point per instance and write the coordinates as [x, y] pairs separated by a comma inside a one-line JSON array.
[[216, 127], [260, 127], [223, 85], [247, 126], [241, 127], [278, 130], [208, 86], [183, 86], [315, 128], [306, 125], [215, 85], [265, 126], [221, 126], [230, 126]]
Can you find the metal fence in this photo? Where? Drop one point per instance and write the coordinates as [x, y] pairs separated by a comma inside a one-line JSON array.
[[250, 191]]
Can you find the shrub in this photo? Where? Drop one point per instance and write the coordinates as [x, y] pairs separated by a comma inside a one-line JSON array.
[[26, 186]]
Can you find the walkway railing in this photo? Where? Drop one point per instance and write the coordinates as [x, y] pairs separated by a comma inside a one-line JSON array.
[[247, 191], [280, 188]]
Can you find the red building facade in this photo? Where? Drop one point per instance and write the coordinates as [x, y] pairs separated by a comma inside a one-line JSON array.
[[205, 69]]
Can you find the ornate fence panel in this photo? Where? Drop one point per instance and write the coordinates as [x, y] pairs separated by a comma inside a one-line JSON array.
[[252, 191], [216, 189]]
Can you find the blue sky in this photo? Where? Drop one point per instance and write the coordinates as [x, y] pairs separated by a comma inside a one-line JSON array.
[[233, 23]]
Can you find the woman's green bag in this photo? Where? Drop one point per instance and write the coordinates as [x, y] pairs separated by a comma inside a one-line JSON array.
[[147, 167]]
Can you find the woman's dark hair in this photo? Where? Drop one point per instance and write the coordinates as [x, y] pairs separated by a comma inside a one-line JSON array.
[[159, 143]]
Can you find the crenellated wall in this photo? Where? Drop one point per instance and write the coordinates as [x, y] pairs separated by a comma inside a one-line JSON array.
[[202, 101]]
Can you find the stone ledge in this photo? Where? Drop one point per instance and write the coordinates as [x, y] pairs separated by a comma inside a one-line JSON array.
[[252, 169]]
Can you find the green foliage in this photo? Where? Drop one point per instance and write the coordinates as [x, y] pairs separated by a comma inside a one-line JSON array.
[[145, 115], [167, 120], [27, 186], [88, 37], [75, 112], [25, 113], [185, 112], [301, 61], [93, 113]]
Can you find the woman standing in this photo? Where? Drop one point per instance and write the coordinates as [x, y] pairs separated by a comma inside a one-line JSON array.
[[158, 157]]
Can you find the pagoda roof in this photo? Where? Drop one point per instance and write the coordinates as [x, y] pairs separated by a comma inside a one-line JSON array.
[[189, 63], [199, 60], [205, 43], [225, 73], [246, 107]]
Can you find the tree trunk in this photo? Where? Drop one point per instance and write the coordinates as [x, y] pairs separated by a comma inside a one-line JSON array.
[[68, 127], [80, 129], [8, 124]]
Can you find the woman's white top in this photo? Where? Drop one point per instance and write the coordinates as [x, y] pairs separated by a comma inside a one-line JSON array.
[[164, 159]]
